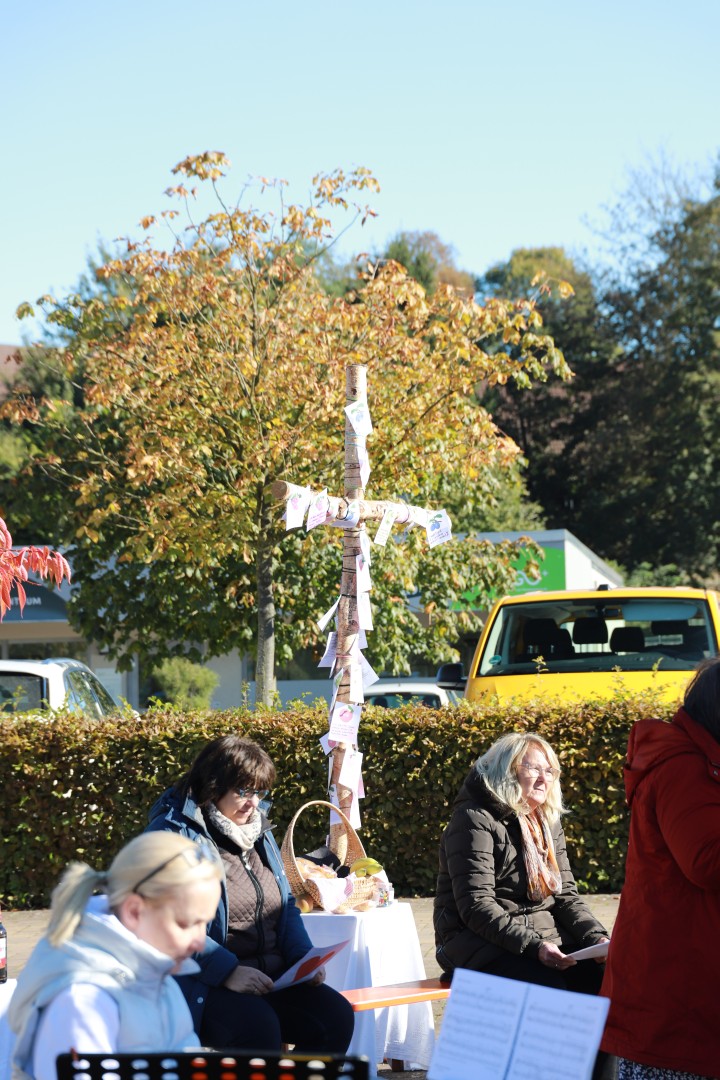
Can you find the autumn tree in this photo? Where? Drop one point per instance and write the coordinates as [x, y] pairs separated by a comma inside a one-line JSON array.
[[429, 260], [222, 370]]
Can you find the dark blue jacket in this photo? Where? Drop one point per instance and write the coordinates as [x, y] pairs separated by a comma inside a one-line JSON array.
[[173, 813]]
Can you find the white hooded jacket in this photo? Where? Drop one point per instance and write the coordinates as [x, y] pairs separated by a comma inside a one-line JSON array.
[[152, 1013]]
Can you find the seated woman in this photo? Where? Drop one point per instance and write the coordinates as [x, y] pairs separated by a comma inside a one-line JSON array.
[[100, 980], [506, 900], [257, 932]]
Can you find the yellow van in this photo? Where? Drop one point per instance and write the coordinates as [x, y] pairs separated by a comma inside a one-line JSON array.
[[591, 644]]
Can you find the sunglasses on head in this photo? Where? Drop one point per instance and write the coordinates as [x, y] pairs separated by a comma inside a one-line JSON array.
[[200, 852]]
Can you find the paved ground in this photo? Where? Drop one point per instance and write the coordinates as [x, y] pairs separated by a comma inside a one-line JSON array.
[[24, 928]]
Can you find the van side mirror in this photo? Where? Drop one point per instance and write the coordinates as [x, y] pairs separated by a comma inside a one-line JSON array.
[[451, 677]]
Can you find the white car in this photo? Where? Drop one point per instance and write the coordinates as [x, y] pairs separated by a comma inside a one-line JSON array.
[[30, 685], [391, 693]]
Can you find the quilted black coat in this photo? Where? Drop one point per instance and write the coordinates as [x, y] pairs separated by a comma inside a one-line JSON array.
[[482, 904]]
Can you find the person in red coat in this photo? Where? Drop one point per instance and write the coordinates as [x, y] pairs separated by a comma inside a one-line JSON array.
[[663, 968]]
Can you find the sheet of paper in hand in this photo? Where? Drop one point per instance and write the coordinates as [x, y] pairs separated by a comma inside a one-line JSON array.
[[305, 968], [592, 952]]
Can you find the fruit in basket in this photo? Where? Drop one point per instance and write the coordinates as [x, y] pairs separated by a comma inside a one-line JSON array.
[[308, 868], [365, 867]]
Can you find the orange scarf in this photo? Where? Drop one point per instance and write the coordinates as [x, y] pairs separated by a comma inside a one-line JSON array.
[[541, 866]]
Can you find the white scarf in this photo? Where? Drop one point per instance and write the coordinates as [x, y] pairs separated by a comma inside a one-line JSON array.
[[242, 835]]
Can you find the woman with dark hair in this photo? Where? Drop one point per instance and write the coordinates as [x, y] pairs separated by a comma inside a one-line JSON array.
[[257, 932], [662, 970]]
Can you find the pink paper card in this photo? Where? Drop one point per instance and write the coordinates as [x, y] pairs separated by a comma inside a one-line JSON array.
[[344, 722]]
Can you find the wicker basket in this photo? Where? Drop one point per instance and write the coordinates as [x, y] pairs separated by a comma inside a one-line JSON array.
[[304, 888]]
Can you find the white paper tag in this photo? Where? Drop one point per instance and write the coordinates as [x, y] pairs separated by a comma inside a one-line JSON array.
[[362, 574], [328, 657], [337, 679], [350, 772], [355, 693], [364, 462], [385, 527], [318, 511], [326, 743], [364, 611], [333, 798], [354, 815], [344, 722], [369, 676], [322, 623], [358, 414], [296, 506], [365, 546], [439, 529], [419, 516], [362, 639]]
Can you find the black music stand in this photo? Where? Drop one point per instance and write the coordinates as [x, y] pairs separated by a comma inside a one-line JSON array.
[[211, 1065]]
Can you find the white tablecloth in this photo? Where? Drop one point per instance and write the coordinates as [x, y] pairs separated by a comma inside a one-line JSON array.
[[384, 948], [7, 1039]]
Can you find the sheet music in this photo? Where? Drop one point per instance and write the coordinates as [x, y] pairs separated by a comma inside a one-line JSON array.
[[559, 1035], [478, 1028], [500, 1029]]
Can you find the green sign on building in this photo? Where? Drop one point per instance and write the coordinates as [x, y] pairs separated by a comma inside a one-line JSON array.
[[552, 576], [552, 572]]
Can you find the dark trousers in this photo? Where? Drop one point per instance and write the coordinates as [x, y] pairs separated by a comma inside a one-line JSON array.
[[315, 1019], [584, 978]]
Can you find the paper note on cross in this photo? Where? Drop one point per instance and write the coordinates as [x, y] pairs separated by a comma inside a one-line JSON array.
[[352, 611]]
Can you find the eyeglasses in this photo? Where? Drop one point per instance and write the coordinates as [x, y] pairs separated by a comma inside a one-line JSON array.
[[248, 792], [536, 770], [199, 853]]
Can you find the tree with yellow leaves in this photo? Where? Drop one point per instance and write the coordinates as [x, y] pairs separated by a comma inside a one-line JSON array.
[[214, 365]]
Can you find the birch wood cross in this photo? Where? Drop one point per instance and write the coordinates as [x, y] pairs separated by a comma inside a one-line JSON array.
[[350, 513]]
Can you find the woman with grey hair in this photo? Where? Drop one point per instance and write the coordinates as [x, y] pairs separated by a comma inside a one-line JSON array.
[[506, 900], [100, 980]]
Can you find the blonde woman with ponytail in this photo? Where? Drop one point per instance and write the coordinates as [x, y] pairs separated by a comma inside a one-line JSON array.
[[100, 980]]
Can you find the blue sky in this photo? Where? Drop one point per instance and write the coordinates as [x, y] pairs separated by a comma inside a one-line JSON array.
[[496, 125]]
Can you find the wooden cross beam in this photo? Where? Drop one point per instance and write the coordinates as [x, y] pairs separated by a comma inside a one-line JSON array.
[[350, 513]]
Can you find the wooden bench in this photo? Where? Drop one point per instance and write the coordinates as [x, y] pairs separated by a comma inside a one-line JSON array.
[[407, 993]]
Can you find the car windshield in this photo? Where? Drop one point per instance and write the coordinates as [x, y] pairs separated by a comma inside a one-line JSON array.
[[598, 635]]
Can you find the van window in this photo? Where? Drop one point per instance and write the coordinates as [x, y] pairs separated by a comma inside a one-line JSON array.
[[598, 635]]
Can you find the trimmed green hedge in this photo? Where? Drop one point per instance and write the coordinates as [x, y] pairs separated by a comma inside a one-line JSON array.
[[73, 789]]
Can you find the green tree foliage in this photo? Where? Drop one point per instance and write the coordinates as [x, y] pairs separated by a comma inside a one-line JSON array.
[[206, 369], [625, 455], [28, 498], [550, 421], [651, 474], [185, 684], [429, 260]]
